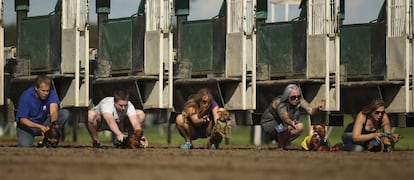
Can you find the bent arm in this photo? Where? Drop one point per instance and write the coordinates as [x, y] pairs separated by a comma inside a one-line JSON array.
[[386, 125], [197, 121], [310, 109], [356, 131], [31, 124], [286, 119], [54, 112], [28, 123]]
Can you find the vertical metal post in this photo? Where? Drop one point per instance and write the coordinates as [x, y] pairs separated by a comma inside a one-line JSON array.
[[75, 55], [103, 8], [21, 7], [337, 56], [407, 56], [1, 56]]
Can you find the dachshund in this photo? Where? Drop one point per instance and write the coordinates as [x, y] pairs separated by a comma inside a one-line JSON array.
[[220, 130], [317, 141], [386, 144], [135, 139], [51, 136]]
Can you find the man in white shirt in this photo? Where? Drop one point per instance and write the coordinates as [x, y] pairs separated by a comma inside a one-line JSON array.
[[117, 114]]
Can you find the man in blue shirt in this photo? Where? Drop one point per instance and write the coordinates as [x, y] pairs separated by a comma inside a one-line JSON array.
[[38, 107]]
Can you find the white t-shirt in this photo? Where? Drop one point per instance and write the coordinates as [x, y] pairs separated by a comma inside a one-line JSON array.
[[107, 105]]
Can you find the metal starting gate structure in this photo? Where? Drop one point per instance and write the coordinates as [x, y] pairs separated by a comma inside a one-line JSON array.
[[243, 59]]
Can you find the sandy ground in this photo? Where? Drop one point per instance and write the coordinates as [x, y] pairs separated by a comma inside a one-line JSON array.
[[79, 161]]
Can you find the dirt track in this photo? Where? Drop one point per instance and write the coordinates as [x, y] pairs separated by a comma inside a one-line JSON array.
[[169, 162]]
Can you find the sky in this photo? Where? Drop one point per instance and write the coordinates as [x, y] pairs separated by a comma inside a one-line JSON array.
[[356, 11]]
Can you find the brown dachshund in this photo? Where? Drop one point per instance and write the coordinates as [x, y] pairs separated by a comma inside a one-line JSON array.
[[386, 144], [220, 130], [134, 140], [317, 141], [137, 140], [51, 136]]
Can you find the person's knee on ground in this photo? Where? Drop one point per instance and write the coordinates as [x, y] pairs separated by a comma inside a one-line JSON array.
[[25, 137]]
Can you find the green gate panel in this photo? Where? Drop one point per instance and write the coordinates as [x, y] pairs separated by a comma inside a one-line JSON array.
[[378, 49], [182, 8], [274, 46], [197, 44], [355, 50], [33, 42], [261, 9], [138, 36], [115, 44]]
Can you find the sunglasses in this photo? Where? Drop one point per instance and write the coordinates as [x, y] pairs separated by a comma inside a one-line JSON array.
[[379, 112], [295, 97]]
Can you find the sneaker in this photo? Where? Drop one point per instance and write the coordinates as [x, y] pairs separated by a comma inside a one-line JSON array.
[[187, 145], [96, 144]]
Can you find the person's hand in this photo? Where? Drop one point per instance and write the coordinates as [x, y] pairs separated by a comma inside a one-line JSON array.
[[229, 123], [144, 142], [120, 137], [206, 118], [292, 124], [377, 136], [44, 128]]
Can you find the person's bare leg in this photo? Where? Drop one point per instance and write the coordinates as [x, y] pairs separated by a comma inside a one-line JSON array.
[[92, 124], [141, 116], [183, 127], [138, 121]]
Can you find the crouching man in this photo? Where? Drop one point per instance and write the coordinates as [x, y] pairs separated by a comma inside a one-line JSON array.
[[38, 108], [119, 115]]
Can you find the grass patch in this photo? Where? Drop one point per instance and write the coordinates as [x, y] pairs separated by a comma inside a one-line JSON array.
[[240, 135]]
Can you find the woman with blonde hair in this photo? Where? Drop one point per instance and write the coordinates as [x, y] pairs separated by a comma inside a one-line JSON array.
[[359, 133], [197, 118]]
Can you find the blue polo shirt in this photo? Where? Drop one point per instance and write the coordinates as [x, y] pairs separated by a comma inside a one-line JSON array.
[[33, 108]]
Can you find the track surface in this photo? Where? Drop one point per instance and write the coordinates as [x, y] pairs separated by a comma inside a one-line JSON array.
[[79, 161]]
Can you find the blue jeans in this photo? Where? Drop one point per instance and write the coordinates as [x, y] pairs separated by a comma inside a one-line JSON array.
[[349, 145], [25, 135]]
